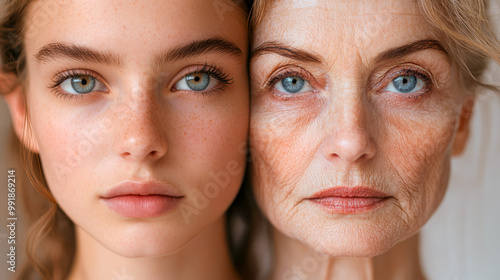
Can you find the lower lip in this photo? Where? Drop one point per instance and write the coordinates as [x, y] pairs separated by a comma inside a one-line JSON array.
[[141, 206], [343, 205]]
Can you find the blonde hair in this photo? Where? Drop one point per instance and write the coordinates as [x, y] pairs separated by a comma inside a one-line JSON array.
[[51, 242], [465, 24]]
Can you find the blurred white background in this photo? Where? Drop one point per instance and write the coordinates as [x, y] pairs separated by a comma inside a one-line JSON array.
[[462, 239]]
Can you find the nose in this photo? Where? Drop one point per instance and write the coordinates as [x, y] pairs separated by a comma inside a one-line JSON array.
[[139, 134], [348, 134]]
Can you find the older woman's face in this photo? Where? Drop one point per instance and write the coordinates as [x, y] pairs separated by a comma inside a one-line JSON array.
[[355, 110]]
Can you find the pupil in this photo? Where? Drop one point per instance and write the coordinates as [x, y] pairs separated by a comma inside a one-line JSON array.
[[198, 81], [405, 84], [292, 84], [83, 84]]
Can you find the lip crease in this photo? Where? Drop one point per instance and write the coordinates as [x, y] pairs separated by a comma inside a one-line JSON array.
[[146, 199], [349, 199]]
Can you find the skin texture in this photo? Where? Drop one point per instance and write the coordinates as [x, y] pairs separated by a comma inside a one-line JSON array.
[[348, 129], [140, 128]]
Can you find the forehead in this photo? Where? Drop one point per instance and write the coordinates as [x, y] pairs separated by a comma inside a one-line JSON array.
[[332, 26], [125, 26]]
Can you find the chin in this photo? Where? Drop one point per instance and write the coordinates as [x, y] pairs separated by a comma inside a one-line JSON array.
[[145, 242], [350, 239], [137, 249], [352, 249]]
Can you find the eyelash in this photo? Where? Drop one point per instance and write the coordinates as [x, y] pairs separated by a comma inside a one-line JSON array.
[[211, 70], [385, 80], [288, 73], [63, 76], [408, 70]]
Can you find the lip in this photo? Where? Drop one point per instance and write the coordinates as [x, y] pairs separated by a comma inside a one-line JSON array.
[[141, 199], [345, 200]]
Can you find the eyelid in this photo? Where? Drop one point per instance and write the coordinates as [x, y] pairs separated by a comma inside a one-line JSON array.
[[213, 71], [409, 69], [68, 74], [288, 71], [64, 75]]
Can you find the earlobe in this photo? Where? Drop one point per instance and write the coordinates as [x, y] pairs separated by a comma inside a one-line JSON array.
[[14, 96], [463, 130]]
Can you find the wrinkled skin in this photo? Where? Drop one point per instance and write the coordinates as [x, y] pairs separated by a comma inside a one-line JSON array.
[[348, 127]]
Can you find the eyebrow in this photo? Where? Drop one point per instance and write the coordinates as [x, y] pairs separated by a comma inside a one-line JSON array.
[[408, 49], [196, 48], [280, 49], [58, 50]]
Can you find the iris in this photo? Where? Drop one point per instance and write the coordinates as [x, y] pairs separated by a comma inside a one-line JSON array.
[[405, 84], [83, 84], [198, 81], [292, 84]]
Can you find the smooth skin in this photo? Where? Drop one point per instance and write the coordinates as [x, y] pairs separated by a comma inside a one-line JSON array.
[[349, 126], [140, 123]]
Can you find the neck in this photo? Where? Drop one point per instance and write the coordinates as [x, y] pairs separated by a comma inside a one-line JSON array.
[[205, 257], [294, 260]]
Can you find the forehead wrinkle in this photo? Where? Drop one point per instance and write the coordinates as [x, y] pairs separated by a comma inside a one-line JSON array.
[[339, 38]]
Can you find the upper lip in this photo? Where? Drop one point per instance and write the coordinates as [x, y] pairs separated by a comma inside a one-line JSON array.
[[141, 188], [349, 192]]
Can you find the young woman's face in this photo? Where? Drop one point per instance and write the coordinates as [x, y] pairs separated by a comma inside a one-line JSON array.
[[355, 106], [140, 115]]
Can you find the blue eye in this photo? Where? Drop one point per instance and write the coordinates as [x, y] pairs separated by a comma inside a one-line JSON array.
[[292, 85], [406, 84], [81, 85], [197, 82]]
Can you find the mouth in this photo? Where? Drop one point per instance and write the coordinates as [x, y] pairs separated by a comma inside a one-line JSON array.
[[344, 200], [141, 199]]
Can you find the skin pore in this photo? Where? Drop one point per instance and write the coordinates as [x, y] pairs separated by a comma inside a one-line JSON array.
[[349, 94], [168, 105]]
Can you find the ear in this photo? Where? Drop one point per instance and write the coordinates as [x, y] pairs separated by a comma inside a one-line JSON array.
[[14, 96], [463, 130]]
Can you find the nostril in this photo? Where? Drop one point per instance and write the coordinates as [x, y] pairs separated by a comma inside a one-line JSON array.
[[148, 144], [349, 145], [125, 155]]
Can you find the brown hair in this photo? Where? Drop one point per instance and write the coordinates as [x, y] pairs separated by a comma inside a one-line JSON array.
[[465, 24], [50, 243], [50, 259]]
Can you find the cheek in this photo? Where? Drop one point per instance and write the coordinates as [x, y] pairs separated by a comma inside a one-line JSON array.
[[64, 142], [210, 142], [63, 153], [282, 145], [417, 152], [206, 136]]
